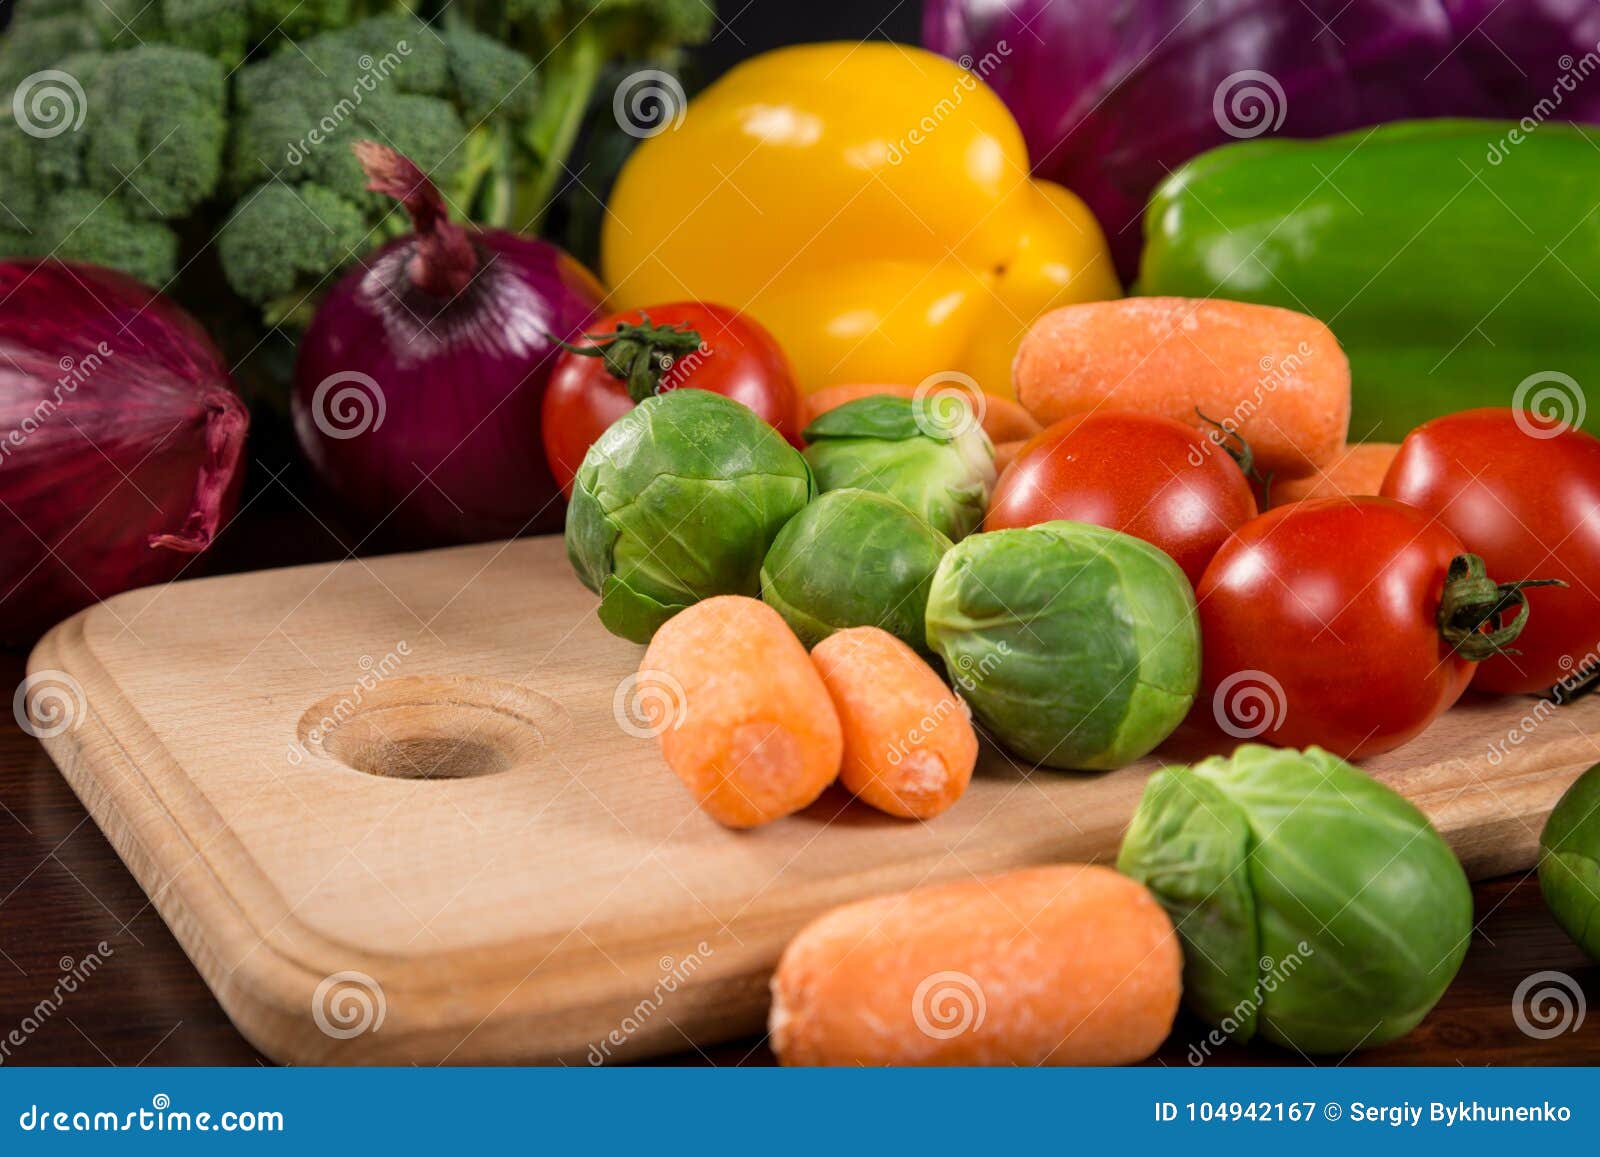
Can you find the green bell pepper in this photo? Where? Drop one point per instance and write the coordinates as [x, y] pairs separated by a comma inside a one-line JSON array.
[[1458, 262]]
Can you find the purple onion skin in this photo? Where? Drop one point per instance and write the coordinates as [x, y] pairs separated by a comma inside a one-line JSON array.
[[1112, 95], [121, 441], [457, 455]]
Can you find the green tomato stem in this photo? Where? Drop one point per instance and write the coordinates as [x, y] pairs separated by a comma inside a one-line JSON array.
[[637, 355], [1472, 601], [1236, 447]]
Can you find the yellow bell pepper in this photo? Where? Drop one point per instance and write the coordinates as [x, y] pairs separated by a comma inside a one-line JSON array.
[[869, 203]]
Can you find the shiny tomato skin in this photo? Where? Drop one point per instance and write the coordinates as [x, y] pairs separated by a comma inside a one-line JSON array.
[[738, 359], [1529, 505], [1151, 477], [1318, 626]]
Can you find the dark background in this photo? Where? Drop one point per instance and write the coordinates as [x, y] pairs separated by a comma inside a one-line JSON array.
[[764, 24]]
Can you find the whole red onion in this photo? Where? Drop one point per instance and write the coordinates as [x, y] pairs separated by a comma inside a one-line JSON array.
[[121, 440], [420, 380]]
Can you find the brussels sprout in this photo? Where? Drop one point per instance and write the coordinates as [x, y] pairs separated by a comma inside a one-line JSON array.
[[1569, 861], [1317, 907], [678, 501], [1077, 646], [853, 559], [929, 453]]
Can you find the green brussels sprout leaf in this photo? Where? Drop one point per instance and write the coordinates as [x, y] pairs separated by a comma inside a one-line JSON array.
[[930, 454], [1076, 646], [1357, 914], [1569, 861], [678, 501], [853, 558], [1189, 845]]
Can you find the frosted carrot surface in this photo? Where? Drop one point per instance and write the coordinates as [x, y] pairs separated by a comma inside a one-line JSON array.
[[909, 747], [1002, 419], [748, 725], [1072, 964], [1277, 376], [1359, 470]]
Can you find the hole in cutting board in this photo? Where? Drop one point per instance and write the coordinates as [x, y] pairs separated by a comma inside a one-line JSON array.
[[434, 727]]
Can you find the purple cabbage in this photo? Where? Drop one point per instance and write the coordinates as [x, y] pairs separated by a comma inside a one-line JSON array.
[[1114, 94]]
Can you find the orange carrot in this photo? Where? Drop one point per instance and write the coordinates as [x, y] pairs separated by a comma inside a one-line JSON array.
[[1066, 965], [909, 747], [1002, 419], [747, 723], [1277, 376], [1359, 470]]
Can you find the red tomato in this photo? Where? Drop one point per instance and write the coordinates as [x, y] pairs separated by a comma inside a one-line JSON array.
[[1525, 497], [1318, 623], [736, 357], [1150, 477]]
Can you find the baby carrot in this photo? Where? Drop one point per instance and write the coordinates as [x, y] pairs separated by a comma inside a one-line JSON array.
[[1002, 419], [1359, 470], [909, 747], [1277, 376], [1065, 965], [749, 727]]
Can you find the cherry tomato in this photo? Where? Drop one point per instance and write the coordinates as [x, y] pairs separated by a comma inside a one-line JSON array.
[[1319, 625], [732, 355], [1526, 497], [1150, 477]]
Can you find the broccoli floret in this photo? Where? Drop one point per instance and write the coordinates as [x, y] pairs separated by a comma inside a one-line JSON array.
[[389, 79], [119, 142], [280, 237], [225, 30], [154, 127], [83, 226], [187, 120], [486, 75], [42, 31], [298, 18]]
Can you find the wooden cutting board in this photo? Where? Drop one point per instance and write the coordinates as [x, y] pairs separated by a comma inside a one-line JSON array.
[[251, 745]]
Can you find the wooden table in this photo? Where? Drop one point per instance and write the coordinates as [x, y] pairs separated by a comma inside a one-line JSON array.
[[63, 892]]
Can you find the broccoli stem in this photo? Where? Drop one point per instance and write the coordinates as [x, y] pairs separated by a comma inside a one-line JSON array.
[[572, 71]]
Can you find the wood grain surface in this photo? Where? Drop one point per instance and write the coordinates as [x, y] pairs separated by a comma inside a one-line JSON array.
[[408, 775]]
